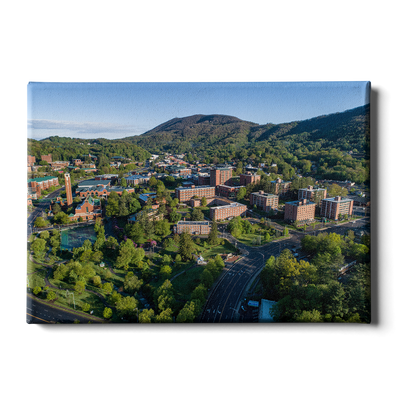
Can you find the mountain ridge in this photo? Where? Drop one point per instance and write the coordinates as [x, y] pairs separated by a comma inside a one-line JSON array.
[[185, 133]]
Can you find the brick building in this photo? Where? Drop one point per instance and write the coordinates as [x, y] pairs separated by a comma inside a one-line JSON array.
[[185, 194], [39, 184], [227, 191], [47, 158], [31, 160], [89, 209], [247, 178], [137, 179], [58, 165], [300, 210], [220, 175], [264, 201], [333, 207], [203, 180], [193, 227], [227, 211], [281, 187], [312, 194], [102, 191]]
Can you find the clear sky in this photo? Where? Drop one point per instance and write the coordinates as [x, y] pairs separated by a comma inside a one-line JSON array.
[[117, 110]]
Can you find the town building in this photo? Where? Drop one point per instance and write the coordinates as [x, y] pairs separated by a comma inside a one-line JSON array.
[[187, 193], [300, 210], [281, 187], [101, 191], [89, 209], [264, 201], [137, 179], [227, 191], [246, 179], [312, 194], [228, 211], [220, 175], [180, 170], [47, 158], [39, 184], [31, 160], [93, 182], [193, 227], [337, 206]]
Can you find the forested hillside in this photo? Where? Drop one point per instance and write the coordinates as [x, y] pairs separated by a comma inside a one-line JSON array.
[[66, 149]]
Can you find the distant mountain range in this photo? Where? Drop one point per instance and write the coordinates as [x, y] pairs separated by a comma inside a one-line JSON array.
[[342, 129]]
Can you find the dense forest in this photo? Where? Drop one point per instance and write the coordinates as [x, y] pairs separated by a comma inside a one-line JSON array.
[[65, 149]]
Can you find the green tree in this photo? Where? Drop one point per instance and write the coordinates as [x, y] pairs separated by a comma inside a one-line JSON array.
[[213, 235], [108, 287], [107, 313], [79, 287], [241, 193], [203, 202], [51, 295], [86, 307], [61, 218], [38, 247], [127, 307], [132, 283], [146, 316], [186, 246], [197, 215], [165, 316], [37, 290], [40, 222]]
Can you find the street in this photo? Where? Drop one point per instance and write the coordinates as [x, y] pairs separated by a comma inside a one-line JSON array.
[[224, 301]]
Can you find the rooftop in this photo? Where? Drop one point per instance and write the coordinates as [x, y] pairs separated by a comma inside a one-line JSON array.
[[193, 223]]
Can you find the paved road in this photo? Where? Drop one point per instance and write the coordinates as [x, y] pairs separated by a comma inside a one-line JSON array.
[[42, 313], [224, 301]]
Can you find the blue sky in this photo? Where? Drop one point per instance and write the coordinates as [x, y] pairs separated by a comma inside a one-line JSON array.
[[117, 110]]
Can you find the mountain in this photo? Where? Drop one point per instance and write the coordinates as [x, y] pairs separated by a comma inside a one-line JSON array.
[[197, 131], [343, 130]]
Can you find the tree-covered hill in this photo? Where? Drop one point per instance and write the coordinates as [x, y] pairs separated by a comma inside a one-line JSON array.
[[345, 131]]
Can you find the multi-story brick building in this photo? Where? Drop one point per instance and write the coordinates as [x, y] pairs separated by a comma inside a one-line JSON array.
[[187, 193], [300, 210], [333, 207], [220, 175], [39, 184], [264, 201], [101, 191], [58, 165], [47, 158], [193, 227], [227, 191], [182, 171], [281, 187], [203, 179], [227, 211], [31, 160], [312, 194], [247, 178], [137, 179]]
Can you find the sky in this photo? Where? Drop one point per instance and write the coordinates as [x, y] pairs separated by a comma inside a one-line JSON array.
[[117, 110]]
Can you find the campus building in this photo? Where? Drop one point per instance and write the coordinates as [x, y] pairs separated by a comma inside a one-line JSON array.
[[39, 184], [31, 160], [89, 209], [193, 227], [264, 201], [281, 187], [312, 194], [333, 207], [227, 211], [247, 178], [184, 194], [47, 158], [227, 191], [300, 210], [220, 175], [101, 191], [137, 179]]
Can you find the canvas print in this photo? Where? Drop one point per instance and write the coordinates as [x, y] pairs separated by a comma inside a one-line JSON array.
[[198, 203]]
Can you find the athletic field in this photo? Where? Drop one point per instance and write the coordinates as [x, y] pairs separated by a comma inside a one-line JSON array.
[[72, 238]]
